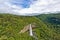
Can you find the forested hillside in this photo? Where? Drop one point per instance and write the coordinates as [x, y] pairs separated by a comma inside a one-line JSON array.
[[47, 27], [52, 22]]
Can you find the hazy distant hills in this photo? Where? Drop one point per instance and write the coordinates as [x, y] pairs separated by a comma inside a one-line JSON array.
[[32, 14], [47, 27]]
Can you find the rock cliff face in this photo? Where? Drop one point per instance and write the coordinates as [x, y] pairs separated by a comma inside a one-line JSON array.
[[26, 28]]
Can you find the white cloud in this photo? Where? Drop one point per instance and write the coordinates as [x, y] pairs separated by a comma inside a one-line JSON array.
[[39, 6]]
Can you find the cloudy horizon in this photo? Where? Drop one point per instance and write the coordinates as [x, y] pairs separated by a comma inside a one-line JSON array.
[[26, 7]]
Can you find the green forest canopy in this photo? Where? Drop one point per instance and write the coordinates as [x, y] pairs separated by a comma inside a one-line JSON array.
[[47, 27]]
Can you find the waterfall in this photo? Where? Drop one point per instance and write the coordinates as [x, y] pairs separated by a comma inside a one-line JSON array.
[[31, 34]]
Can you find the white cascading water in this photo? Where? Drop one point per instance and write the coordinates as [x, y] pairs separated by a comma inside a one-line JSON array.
[[30, 29]]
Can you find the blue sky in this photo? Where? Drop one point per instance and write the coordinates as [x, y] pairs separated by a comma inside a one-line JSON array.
[[22, 3], [27, 7]]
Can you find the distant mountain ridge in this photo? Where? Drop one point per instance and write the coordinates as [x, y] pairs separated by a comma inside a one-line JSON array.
[[32, 14]]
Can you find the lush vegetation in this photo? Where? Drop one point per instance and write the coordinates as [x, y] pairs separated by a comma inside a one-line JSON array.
[[47, 27]]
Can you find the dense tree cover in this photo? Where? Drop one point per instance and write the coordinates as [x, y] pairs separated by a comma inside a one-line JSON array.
[[52, 22], [47, 27]]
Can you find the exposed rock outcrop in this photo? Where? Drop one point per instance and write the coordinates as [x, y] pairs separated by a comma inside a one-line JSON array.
[[26, 28]]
